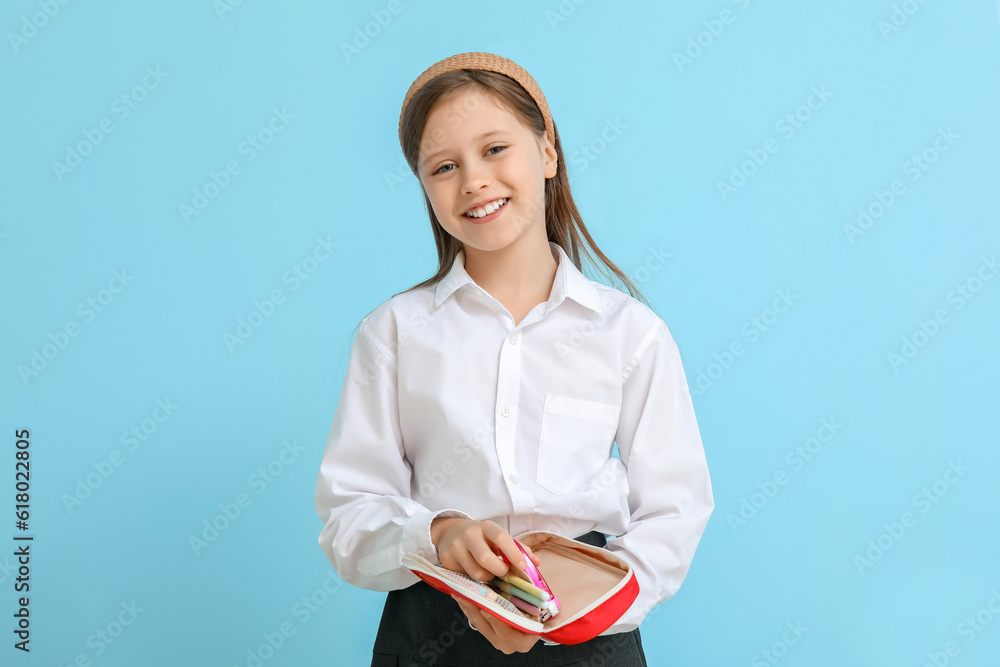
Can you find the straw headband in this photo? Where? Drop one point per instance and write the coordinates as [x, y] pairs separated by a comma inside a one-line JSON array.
[[482, 61]]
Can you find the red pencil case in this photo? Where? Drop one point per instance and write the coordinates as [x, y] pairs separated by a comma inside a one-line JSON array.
[[594, 586]]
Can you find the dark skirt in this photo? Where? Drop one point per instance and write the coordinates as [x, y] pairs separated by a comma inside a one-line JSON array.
[[422, 626]]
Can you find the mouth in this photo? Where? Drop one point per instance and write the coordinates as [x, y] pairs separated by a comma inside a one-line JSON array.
[[488, 212]]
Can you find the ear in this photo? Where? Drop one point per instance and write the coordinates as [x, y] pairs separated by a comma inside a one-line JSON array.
[[551, 159]]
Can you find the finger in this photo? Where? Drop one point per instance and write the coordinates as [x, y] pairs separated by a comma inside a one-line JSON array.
[[464, 606], [502, 636], [471, 611], [502, 539], [471, 566], [534, 559], [486, 560], [477, 619], [495, 624], [505, 637], [486, 625], [492, 564]]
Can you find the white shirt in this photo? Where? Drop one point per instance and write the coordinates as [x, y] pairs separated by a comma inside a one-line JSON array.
[[449, 409]]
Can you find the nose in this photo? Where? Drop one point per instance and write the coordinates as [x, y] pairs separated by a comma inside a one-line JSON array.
[[475, 177]]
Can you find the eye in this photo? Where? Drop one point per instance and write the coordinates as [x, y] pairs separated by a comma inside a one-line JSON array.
[[439, 170]]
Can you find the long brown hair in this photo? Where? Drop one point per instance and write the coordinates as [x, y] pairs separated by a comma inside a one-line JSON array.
[[563, 223]]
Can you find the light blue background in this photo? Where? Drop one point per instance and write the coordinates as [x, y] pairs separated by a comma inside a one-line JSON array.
[[336, 171]]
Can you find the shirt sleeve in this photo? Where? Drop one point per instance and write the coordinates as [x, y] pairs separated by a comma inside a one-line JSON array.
[[363, 487], [670, 492]]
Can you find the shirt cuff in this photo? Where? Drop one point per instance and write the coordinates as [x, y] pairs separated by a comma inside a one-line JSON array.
[[417, 534]]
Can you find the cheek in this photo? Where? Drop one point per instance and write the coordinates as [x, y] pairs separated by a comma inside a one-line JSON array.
[[526, 175], [437, 202]]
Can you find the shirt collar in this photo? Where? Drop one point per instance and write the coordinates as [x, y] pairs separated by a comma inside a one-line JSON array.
[[569, 282]]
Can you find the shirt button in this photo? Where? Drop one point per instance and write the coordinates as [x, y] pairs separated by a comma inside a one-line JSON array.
[[506, 411], [513, 478], [514, 337]]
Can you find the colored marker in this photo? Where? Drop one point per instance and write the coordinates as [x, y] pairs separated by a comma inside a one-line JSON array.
[[522, 605], [524, 595], [526, 586], [531, 573]]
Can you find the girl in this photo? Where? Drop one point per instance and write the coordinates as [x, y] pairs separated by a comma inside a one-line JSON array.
[[483, 402]]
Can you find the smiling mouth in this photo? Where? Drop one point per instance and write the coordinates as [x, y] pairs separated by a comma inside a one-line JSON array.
[[488, 210]]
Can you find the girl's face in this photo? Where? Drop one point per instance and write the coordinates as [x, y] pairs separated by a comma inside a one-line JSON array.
[[474, 152]]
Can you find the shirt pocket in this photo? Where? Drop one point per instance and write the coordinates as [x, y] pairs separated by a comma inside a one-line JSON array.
[[575, 441]]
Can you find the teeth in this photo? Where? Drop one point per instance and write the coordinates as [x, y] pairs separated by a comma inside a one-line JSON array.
[[486, 210]]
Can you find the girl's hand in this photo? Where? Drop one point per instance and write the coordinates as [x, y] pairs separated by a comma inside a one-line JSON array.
[[473, 547], [504, 637]]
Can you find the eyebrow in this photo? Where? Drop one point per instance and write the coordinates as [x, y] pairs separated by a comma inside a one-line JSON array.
[[484, 135]]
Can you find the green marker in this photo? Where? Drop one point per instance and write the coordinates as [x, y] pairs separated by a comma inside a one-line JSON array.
[[524, 595], [526, 586]]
